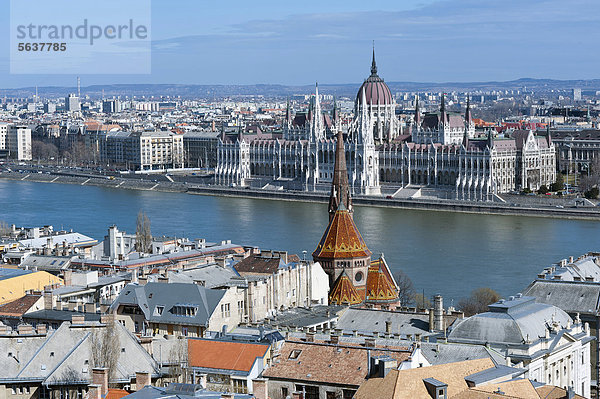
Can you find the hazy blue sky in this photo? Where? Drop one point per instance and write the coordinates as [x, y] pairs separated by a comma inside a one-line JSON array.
[[299, 42]]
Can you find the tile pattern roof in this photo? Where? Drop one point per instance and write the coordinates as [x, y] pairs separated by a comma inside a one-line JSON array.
[[238, 356], [380, 284], [344, 292], [332, 364], [341, 239]]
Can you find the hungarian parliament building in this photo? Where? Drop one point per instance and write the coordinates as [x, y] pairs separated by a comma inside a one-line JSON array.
[[440, 151]]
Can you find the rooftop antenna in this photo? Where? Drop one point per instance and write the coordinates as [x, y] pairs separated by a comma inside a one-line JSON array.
[[78, 87], [36, 94]]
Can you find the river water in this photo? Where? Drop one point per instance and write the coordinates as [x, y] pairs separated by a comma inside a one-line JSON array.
[[441, 252]]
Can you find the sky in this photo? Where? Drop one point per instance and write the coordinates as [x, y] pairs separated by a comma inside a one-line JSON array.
[[300, 42]]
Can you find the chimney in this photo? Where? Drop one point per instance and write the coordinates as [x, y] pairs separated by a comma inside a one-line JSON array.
[[297, 395], [25, 329], [107, 318], [310, 336], [260, 388], [335, 339], [431, 321], [48, 300], [388, 327], [100, 377], [41, 329], [142, 280], [142, 378], [78, 319], [68, 277], [89, 308], [438, 313], [95, 391]]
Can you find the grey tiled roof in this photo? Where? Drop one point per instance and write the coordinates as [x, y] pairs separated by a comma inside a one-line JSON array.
[[373, 321], [152, 296], [512, 322], [66, 351], [570, 296], [181, 391]]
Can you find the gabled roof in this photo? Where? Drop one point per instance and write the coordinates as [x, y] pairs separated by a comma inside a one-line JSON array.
[[343, 291], [341, 239], [224, 355], [65, 353], [380, 283]]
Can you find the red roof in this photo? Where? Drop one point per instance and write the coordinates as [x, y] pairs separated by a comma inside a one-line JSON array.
[[224, 355], [114, 393]]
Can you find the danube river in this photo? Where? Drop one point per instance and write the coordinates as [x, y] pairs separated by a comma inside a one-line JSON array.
[[442, 252]]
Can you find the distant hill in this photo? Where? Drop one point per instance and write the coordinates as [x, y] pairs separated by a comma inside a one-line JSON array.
[[275, 90]]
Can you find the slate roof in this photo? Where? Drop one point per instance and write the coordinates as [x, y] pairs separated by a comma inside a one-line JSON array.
[[46, 262], [67, 350], [152, 392], [444, 353], [331, 364], [570, 296], [373, 321], [305, 317], [58, 315], [509, 322], [224, 355], [212, 275], [150, 297]]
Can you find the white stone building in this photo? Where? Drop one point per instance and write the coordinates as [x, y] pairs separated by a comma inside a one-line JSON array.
[[440, 150], [543, 339]]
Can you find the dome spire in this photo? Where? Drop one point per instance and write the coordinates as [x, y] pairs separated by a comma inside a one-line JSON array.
[[373, 63]]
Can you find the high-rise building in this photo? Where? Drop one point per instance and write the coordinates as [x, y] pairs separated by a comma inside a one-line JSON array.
[[18, 143], [72, 103], [49, 108], [576, 94]]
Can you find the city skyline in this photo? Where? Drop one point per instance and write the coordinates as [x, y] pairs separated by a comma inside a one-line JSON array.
[[425, 41]]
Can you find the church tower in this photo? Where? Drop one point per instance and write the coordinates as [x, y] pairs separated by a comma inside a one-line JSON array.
[[340, 189], [342, 249]]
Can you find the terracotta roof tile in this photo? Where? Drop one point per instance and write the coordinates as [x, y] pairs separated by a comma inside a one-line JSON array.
[[331, 364], [19, 306], [224, 355], [341, 239]]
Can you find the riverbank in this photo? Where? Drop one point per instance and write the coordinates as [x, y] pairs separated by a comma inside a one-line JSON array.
[[164, 184]]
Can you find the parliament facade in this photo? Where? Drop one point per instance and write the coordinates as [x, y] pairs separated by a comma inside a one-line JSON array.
[[442, 150]]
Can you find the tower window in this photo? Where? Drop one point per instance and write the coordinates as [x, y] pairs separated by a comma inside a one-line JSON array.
[[358, 276]]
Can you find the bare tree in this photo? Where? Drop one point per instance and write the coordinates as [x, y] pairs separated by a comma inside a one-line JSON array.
[[43, 151], [478, 301], [178, 360], [406, 290], [143, 236], [105, 348], [422, 302], [4, 229]]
